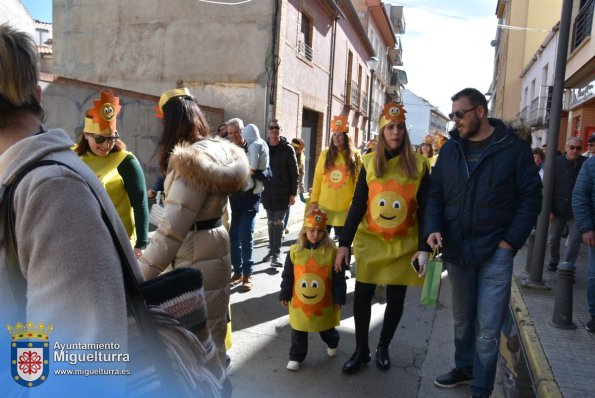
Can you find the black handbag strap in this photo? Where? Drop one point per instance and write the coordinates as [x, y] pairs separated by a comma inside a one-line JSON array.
[[131, 286]]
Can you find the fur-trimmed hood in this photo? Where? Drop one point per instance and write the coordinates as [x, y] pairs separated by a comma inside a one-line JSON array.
[[211, 165]]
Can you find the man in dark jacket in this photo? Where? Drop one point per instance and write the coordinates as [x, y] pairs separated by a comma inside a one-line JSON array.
[[483, 200], [280, 191], [583, 207], [566, 172]]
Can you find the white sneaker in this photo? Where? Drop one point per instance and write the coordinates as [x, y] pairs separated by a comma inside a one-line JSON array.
[[293, 366], [332, 352]]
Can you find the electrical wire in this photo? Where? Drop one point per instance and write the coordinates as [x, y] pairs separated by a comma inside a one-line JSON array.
[[225, 4]]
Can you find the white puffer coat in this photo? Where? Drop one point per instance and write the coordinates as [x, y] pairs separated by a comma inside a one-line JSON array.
[[199, 179]]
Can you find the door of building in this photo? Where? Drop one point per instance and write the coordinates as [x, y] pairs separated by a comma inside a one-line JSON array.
[[309, 135]]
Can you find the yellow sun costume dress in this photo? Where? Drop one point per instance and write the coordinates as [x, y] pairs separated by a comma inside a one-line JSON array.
[[333, 189], [387, 236], [311, 308]]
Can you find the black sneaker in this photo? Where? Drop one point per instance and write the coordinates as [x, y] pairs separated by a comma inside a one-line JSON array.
[[453, 379], [590, 326], [552, 266], [276, 263], [267, 258]]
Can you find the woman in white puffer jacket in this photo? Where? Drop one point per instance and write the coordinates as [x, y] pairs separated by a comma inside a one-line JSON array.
[[200, 174]]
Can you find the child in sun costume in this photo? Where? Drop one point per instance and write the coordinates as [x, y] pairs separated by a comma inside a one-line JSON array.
[[383, 225], [335, 175], [311, 289]]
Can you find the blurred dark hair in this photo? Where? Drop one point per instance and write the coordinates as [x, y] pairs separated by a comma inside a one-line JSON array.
[[476, 98], [18, 74], [183, 122]]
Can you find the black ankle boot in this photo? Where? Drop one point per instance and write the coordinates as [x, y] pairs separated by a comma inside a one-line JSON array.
[[382, 359], [361, 355]]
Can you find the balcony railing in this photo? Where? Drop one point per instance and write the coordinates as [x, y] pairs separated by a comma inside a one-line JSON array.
[[354, 95], [582, 24], [305, 50], [538, 112], [364, 103]]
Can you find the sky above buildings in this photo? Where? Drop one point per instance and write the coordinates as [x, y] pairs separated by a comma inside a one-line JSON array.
[[446, 45]]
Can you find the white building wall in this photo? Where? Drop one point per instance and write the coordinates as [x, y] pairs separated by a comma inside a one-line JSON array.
[[15, 13], [146, 46], [547, 56], [417, 116]]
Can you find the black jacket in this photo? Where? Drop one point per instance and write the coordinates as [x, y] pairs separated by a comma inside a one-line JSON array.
[[284, 182], [565, 175], [499, 200]]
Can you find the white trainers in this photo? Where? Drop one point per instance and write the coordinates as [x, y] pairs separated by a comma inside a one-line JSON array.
[[332, 352], [293, 365]]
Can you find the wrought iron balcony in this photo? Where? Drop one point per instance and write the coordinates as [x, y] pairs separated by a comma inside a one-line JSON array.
[[582, 24]]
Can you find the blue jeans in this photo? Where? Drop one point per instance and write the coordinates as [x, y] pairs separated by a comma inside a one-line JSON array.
[[480, 297], [241, 242], [591, 281]]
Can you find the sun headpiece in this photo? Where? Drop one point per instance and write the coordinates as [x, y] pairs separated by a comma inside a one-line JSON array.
[[392, 113], [169, 94], [102, 117], [339, 124], [315, 219]]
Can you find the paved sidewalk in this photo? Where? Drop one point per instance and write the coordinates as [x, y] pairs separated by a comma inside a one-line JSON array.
[[561, 361]]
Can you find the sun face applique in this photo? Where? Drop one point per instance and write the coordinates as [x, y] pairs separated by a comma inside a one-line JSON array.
[[311, 293], [105, 110], [337, 176], [390, 208]]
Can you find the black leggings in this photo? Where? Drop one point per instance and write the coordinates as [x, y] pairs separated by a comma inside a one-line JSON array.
[[362, 303]]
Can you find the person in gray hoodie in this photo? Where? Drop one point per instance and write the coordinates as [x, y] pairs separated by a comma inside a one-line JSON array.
[[70, 268], [258, 158]]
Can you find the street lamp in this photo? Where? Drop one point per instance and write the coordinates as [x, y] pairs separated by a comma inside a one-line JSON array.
[[372, 65]]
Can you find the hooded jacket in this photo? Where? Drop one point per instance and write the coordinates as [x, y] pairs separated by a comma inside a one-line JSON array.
[[283, 184], [200, 177], [583, 197], [499, 200], [258, 150], [66, 253]]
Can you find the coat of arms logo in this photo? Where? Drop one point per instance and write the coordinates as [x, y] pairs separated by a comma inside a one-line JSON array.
[[30, 353]]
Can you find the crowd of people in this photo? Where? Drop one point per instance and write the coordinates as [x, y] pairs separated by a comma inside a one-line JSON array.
[[476, 202]]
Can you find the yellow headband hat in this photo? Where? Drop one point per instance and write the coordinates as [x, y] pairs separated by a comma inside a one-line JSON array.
[[339, 124], [392, 113], [169, 94], [102, 117], [315, 219]]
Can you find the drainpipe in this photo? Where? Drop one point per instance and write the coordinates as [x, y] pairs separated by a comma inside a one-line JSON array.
[[271, 66], [329, 106]]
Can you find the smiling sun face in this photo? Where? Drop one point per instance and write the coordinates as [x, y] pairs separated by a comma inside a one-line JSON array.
[[311, 294], [310, 288], [390, 208], [337, 176]]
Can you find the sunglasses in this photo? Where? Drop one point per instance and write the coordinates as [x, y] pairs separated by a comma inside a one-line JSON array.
[[274, 128], [460, 114], [100, 139], [424, 144], [591, 144], [574, 148]]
